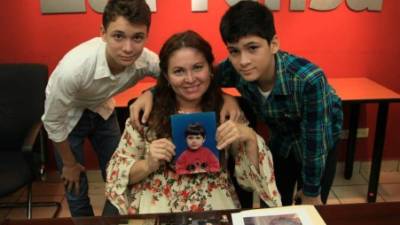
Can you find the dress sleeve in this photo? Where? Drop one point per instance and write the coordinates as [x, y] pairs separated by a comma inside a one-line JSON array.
[[131, 148], [261, 180]]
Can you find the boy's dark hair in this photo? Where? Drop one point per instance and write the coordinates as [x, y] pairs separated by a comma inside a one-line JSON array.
[[195, 129], [135, 11], [247, 18]]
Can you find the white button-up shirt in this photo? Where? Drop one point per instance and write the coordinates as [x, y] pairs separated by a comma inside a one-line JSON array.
[[82, 80]]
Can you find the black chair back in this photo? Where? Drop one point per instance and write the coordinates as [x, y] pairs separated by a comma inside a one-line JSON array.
[[22, 95]]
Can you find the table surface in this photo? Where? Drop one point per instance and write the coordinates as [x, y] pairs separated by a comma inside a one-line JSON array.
[[387, 213], [362, 89]]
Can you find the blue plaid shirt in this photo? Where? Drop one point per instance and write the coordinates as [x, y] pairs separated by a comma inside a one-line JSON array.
[[303, 113]]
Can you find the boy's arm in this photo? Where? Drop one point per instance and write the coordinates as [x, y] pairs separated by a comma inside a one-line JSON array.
[[152, 62], [60, 92], [144, 103], [71, 169], [230, 109], [316, 135], [226, 76]]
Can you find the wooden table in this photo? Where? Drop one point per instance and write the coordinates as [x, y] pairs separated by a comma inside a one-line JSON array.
[[357, 91], [349, 214]]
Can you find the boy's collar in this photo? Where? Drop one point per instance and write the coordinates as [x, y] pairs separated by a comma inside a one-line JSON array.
[[280, 86], [103, 70]]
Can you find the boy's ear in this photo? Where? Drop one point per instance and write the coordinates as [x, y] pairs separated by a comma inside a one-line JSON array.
[[275, 44], [102, 32]]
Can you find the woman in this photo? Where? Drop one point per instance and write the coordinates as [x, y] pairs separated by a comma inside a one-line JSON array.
[[139, 178]]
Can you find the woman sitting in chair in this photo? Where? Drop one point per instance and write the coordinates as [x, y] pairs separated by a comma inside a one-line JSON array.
[[139, 177]]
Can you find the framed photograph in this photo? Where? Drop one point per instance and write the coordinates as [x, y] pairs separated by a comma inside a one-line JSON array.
[[288, 215], [194, 137]]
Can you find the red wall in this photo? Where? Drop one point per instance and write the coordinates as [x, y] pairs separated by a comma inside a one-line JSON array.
[[343, 42]]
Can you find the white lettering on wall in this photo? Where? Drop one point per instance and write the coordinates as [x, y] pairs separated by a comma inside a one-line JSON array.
[[78, 6], [324, 5], [370, 5], [297, 5], [62, 6], [199, 5], [273, 4], [98, 5]]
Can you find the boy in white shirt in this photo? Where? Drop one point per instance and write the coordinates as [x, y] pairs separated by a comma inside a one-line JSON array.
[[79, 101]]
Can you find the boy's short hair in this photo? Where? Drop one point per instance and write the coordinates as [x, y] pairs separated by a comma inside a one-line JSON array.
[[195, 129], [135, 11], [247, 18]]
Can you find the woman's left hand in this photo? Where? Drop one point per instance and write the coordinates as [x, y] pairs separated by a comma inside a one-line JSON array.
[[230, 131]]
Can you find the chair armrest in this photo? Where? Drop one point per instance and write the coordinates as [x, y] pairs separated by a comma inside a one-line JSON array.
[[36, 139], [30, 139]]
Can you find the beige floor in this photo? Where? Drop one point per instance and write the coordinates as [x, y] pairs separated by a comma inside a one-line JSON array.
[[343, 191]]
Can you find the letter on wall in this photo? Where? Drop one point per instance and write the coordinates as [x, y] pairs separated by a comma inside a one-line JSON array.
[[232, 2], [199, 5], [152, 5], [324, 5], [360, 5], [297, 5], [62, 6], [98, 5], [78, 6], [273, 4]]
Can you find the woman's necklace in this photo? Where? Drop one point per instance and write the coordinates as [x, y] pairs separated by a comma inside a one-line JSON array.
[[181, 111]]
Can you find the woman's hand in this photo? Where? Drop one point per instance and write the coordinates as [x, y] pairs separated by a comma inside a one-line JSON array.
[[161, 150], [230, 131]]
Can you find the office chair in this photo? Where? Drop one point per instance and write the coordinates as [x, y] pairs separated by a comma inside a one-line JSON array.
[[22, 140]]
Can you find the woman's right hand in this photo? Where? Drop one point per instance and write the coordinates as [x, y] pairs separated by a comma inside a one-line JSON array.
[[161, 150]]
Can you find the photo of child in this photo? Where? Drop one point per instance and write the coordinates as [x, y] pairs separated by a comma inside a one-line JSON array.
[[195, 152]]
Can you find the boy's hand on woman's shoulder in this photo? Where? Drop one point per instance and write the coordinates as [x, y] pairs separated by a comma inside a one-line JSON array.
[[143, 103], [230, 109]]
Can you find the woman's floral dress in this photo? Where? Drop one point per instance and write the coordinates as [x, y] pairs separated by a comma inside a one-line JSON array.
[[165, 191]]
